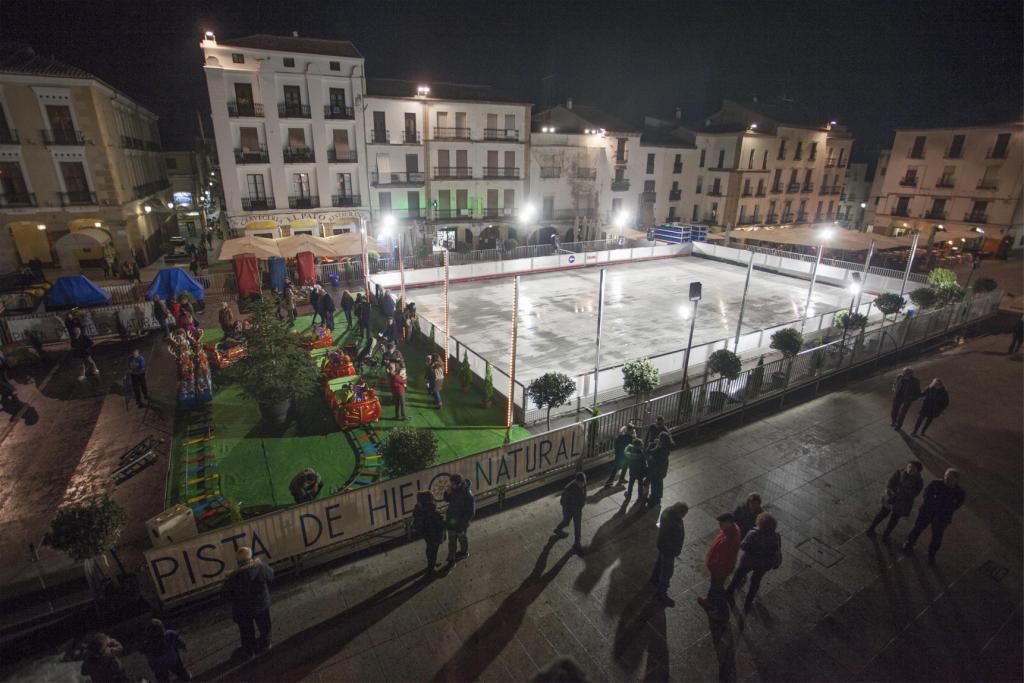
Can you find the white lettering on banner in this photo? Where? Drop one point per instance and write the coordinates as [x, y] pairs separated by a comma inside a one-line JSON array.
[[282, 219], [209, 558]]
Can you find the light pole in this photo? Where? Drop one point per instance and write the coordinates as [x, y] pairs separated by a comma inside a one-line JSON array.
[[743, 302], [855, 289], [525, 216], [619, 221], [825, 234], [931, 239], [366, 257], [863, 279], [600, 316], [510, 408], [695, 291], [910, 262], [388, 225], [975, 261]]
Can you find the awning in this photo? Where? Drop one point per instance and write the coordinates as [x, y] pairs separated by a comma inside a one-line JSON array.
[[297, 244], [345, 244], [259, 247]]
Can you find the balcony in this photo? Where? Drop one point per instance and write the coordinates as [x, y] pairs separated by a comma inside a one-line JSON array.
[[462, 214], [77, 198], [787, 217], [62, 136], [988, 185], [337, 111], [453, 173], [451, 133], [841, 164], [247, 109], [380, 136], [650, 196], [675, 195], [792, 187], [976, 217], [501, 134], [505, 212], [586, 174], [550, 171], [507, 172], [947, 183], [258, 204], [771, 218], [252, 156], [293, 110], [9, 136], [801, 217], [621, 157], [776, 189], [345, 200], [710, 219], [304, 202], [997, 153], [747, 192], [396, 179], [620, 184], [908, 181], [903, 212], [677, 168], [411, 137], [938, 215], [830, 162], [807, 187], [836, 189], [760, 192], [747, 220], [715, 192], [342, 156], [128, 142], [824, 189], [299, 155], [14, 200]]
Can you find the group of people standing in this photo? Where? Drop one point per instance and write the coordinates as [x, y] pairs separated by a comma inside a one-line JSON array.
[[906, 389], [646, 461]]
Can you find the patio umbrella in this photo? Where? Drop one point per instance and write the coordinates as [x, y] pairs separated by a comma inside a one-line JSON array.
[[260, 247], [297, 244], [345, 244]]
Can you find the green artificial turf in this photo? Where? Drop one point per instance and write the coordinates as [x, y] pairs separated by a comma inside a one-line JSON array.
[[257, 463]]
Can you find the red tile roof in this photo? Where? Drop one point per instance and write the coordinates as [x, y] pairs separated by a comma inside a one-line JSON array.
[[309, 46]]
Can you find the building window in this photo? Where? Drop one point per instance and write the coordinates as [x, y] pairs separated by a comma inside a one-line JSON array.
[[616, 206], [300, 183], [238, 58], [255, 183], [721, 158], [703, 152], [917, 151], [677, 166], [650, 163], [799, 152], [764, 161], [782, 149], [648, 186], [700, 184], [1002, 144], [812, 154], [672, 213], [750, 161], [289, 61], [335, 66], [172, 164]]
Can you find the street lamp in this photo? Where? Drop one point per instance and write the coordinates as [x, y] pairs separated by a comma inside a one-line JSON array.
[[825, 235], [931, 239], [975, 260], [388, 225], [147, 208], [620, 221], [695, 291]]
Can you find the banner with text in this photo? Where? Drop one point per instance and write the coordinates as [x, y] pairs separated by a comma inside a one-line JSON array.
[[209, 558]]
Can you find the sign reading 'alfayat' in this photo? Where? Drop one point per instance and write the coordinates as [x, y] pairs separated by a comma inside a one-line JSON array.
[[209, 558], [332, 216]]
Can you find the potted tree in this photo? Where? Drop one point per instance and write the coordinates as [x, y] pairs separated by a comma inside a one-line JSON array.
[[407, 450], [465, 374], [727, 365], [889, 304], [984, 285], [923, 297], [488, 386], [88, 529], [639, 379], [550, 390], [788, 342], [276, 369]]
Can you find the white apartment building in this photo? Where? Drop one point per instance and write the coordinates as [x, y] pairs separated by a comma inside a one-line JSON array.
[[960, 178], [448, 161], [853, 202], [288, 121]]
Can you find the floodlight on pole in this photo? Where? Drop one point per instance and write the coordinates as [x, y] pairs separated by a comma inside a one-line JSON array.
[[147, 208], [526, 215], [446, 320], [695, 294], [931, 239], [824, 235]]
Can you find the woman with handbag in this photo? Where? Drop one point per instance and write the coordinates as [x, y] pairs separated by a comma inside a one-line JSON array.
[[762, 550], [898, 498]]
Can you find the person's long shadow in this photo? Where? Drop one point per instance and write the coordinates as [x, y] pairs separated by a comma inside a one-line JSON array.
[[596, 562], [297, 657], [641, 628], [487, 642]]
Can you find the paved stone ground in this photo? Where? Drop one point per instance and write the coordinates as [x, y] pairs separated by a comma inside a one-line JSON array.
[[856, 610]]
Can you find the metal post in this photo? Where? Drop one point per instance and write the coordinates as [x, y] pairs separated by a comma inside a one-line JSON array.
[[864, 274], [689, 343], [401, 269], [512, 359], [600, 315], [366, 260], [446, 330], [910, 262], [743, 302], [810, 289]]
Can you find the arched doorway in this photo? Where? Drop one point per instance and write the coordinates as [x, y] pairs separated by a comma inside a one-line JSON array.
[[489, 237], [31, 241], [542, 236], [85, 248]]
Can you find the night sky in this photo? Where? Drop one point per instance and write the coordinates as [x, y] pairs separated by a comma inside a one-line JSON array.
[[872, 65]]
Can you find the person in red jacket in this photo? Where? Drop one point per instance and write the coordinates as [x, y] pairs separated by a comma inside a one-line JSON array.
[[398, 383], [720, 561]]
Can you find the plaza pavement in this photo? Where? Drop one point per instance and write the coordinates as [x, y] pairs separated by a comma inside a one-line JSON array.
[[842, 607]]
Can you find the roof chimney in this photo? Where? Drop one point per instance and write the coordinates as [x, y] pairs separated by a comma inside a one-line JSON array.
[[568, 103], [679, 113], [295, 34]]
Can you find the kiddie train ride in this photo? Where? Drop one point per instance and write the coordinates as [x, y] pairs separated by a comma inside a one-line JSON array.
[[353, 403]]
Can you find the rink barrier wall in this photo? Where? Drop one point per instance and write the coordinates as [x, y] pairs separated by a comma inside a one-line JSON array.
[[348, 523], [135, 317]]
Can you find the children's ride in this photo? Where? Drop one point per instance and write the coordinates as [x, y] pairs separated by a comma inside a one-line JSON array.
[[353, 403]]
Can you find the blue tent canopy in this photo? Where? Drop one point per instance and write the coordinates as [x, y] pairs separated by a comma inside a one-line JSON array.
[[76, 290], [173, 281], [278, 273]]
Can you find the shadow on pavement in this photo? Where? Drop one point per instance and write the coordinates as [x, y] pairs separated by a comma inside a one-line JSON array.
[[487, 642]]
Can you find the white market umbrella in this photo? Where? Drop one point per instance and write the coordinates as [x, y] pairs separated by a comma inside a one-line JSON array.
[[297, 244], [260, 247]]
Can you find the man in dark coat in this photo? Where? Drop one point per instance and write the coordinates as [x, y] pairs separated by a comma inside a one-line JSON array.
[[362, 308], [941, 499], [657, 467], [746, 513], [314, 302], [429, 524], [347, 304], [327, 309], [654, 431], [574, 497], [671, 535], [936, 400], [460, 512], [248, 590], [900, 492], [905, 390], [82, 345]]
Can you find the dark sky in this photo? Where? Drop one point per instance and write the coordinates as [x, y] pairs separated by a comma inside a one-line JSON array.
[[873, 64]]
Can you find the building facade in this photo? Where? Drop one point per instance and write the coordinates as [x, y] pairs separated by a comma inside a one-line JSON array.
[[81, 173], [853, 201], [964, 179]]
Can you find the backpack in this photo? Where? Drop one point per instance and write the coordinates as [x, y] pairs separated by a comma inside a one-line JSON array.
[[777, 557]]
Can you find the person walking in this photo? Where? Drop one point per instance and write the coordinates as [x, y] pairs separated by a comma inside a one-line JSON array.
[[657, 467], [398, 386], [936, 399], [347, 304], [81, 346], [429, 524], [620, 464], [654, 431], [162, 315], [194, 266], [460, 512], [574, 497], [637, 462], [1017, 335], [314, 302], [289, 303], [209, 239], [163, 648], [720, 561], [898, 498], [942, 498], [437, 384], [327, 309], [248, 590], [906, 389], [762, 550], [137, 377], [102, 663], [671, 535], [746, 513], [362, 309]]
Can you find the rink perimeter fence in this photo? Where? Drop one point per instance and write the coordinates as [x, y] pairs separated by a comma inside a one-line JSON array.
[[347, 523]]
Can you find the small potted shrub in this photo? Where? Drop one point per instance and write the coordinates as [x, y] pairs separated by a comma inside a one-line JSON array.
[[465, 373], [407, 450], [551, 390], [88, 529], [488, 386]]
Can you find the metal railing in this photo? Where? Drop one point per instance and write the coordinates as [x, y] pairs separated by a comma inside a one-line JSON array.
[[586, 173], [620, 184], [258, 204], [304, 202], [77, 198], [342, 156], [498, 134], [550, 171], [451, 133], [62, 136], [252, 156], [293, 110], [397, 178], [11, 200], [498, 212], [453, 172], [298, 155], [501, 172], [675, 195], [380, 136], [249, 109], [345, 200], [336, 111], [411, 137]]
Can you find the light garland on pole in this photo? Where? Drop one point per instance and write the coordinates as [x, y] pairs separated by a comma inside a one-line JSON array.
[[510, 409], [446, 331]]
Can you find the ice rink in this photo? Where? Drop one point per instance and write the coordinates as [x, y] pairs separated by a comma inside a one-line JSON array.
[[646, 311]]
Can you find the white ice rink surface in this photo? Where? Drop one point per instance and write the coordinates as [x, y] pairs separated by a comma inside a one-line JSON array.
[[646, 311]]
